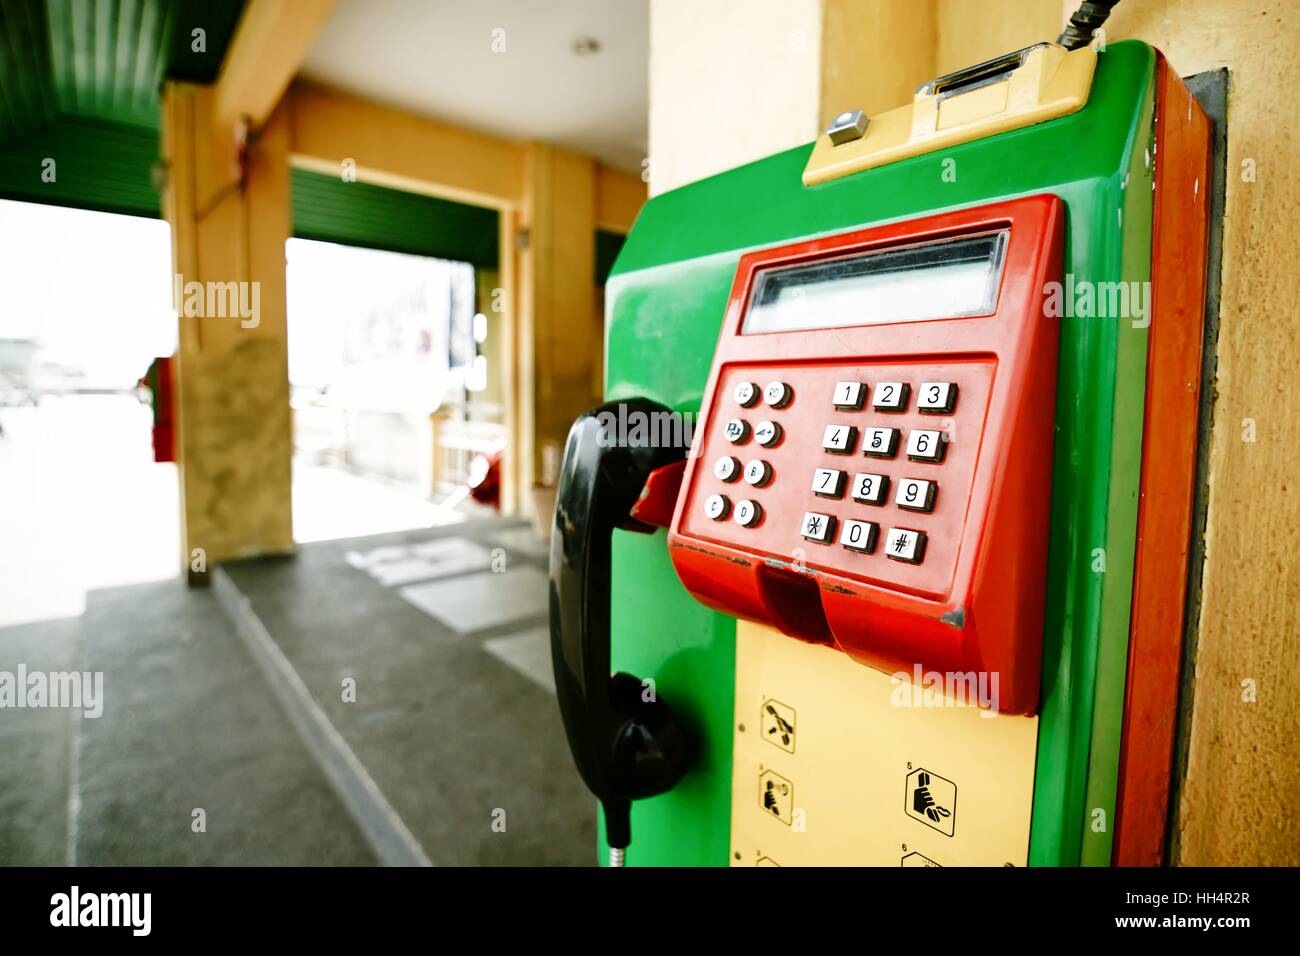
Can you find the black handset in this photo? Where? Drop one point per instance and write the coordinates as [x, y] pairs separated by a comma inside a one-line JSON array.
[[625, 739]]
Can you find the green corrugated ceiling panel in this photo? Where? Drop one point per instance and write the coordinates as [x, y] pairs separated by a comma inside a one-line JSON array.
[[104, 59], [359, 214]]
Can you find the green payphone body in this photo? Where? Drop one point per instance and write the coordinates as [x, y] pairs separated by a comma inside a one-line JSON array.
[[949, 272]]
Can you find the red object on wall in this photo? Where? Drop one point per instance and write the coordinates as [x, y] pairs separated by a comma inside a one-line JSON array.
[[1178, 271], [974, 602], [161, 383]]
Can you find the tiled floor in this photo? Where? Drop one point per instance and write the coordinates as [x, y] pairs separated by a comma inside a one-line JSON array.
[[481, 602]]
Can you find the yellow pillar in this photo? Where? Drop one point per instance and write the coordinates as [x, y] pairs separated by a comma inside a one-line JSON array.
[[560, 333], [234, 438]]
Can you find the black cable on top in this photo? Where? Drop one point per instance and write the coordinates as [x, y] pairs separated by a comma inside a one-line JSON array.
[[1084, 22]]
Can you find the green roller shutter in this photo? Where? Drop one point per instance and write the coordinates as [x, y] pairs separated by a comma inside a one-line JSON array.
[[359, 214]]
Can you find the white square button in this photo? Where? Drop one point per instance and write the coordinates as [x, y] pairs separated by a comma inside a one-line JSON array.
[[840, 439], [902, 544], [849, 396], [828, 483], [870, 489], [925, 445], [859, 535], [936, 398], [817, 527], [914, 494], [890, 396], [880, 442]]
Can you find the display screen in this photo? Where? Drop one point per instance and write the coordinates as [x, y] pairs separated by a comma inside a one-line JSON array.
[[946, 279]]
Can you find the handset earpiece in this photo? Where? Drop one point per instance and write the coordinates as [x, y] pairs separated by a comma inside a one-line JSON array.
[[625, 739]]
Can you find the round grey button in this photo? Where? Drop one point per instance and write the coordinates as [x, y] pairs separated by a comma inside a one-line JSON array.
[[717, 507], [748, 513], [736, 430], [778, 394], [767, 434], [726, 468], [758, 473], [745, 394]]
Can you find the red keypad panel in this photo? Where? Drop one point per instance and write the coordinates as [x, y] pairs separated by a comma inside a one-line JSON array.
[[864, 469]]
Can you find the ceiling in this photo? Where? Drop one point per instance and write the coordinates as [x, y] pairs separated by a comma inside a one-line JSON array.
[[436, 58], [103, 59]]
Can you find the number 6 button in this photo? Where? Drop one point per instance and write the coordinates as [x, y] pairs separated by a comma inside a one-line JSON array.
[[925, 445]]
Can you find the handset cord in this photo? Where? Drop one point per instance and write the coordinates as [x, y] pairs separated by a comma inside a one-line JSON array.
[[1084, 22]]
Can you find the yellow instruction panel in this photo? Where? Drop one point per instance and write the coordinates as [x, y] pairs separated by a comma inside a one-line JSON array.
[[836, 764]]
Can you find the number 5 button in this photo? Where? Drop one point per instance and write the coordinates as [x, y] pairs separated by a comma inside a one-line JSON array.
[[925, 445]]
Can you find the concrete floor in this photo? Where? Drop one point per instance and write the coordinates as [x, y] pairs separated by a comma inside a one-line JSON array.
[[458, 733]]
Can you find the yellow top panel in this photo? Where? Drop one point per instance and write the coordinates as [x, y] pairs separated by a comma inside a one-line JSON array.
[[1033, 85]]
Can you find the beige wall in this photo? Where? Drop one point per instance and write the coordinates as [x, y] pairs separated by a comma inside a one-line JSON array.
[[1243, 763]]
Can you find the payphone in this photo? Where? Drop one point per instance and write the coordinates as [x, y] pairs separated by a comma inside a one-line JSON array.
[[892, 606]]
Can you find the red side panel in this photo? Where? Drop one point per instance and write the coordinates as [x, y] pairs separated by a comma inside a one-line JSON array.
[[1178, 268]]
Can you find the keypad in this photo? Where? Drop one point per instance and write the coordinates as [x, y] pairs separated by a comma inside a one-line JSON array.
[[869, 513]]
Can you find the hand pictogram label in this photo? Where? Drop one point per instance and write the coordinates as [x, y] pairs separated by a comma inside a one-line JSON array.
[[932, 799]]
